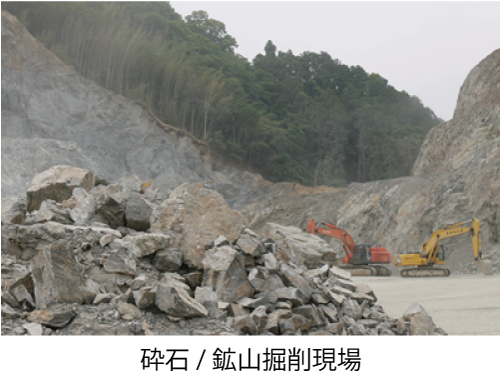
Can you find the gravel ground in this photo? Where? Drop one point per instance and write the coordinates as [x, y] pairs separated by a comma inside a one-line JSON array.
[[459, 304]]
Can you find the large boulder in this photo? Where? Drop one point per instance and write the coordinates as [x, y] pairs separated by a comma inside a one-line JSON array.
[[225, 273], [193, 217], [55, 276], [138, 213], [299, 247], [57, 183], [142, 245], [178, 303]]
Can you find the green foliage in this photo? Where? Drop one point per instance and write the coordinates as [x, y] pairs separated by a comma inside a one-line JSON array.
[[304, 118]]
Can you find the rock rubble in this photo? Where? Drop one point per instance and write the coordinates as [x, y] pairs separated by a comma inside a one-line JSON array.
[[76, 265]]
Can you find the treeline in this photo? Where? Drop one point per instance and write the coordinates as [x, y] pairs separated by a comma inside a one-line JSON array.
[[303, 118]]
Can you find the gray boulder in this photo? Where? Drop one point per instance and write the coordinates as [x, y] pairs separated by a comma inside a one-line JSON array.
[[178, 303], [138, 213], [57, 183], [225, 273], [299, 247], [56, 277], [193, 217]]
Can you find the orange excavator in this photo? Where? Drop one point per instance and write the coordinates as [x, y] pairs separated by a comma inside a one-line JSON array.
[[361, 259]]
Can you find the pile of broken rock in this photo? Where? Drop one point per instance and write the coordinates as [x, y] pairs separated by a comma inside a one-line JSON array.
[[81, 256]]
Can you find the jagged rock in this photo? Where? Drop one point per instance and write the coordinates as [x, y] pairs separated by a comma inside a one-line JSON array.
[[81, 205], [33, 329], [415, 308], [22, 296], [208, 298], [145, 244], [224, 271], [352, 309], [14, 210], [8, 312], [51, 318], [363, 288], [120, 264], [168, 260], [271, 263], [174, 280], [245, 324], [292, 294], [55, 275], [138, 214], [339, 273], [292, 279], [236, 310], [263, 283], [194, 279], [145, 296], [273, 319], [259, 317], [109, 208], [57, 183], [311, 312], [299, 247], [194, 216], [357, 329], [49, 211], [9, 299], [103, 298], [178, 303], [336, 299], [250, 243], [421, 325], [128, 311], [330, 312]]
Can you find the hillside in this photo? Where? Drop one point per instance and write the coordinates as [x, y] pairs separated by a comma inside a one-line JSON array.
[[307, 118]]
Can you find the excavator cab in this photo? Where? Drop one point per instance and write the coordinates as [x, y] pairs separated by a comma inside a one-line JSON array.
[[441, 253], [361, 254]]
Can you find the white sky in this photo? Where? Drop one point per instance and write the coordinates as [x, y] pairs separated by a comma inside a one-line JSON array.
[[424, 48]]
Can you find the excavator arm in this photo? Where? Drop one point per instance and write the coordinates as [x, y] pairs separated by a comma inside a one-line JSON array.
[[334, 232], [430, 250]]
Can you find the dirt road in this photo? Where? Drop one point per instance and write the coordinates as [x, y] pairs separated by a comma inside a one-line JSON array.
[[460, 304]]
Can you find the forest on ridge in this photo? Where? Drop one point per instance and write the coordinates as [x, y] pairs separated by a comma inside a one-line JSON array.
[[304, 118]]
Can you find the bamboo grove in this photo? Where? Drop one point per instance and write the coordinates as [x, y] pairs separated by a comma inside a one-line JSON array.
[[303, 118]]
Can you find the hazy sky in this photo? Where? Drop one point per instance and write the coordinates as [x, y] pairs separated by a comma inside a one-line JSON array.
[[424, 48]]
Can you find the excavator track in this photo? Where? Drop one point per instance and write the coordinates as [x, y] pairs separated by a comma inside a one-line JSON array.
[[367, 270], [425, 272]]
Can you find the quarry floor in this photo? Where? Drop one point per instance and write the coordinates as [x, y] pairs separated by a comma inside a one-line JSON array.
[[459, 304]]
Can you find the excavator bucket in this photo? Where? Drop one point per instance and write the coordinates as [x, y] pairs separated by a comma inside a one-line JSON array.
[[484, 266]]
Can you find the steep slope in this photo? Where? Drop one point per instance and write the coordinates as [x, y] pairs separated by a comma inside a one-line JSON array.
[[51, 115]]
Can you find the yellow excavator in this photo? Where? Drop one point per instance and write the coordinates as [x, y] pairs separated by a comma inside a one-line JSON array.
[[433, 253]]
